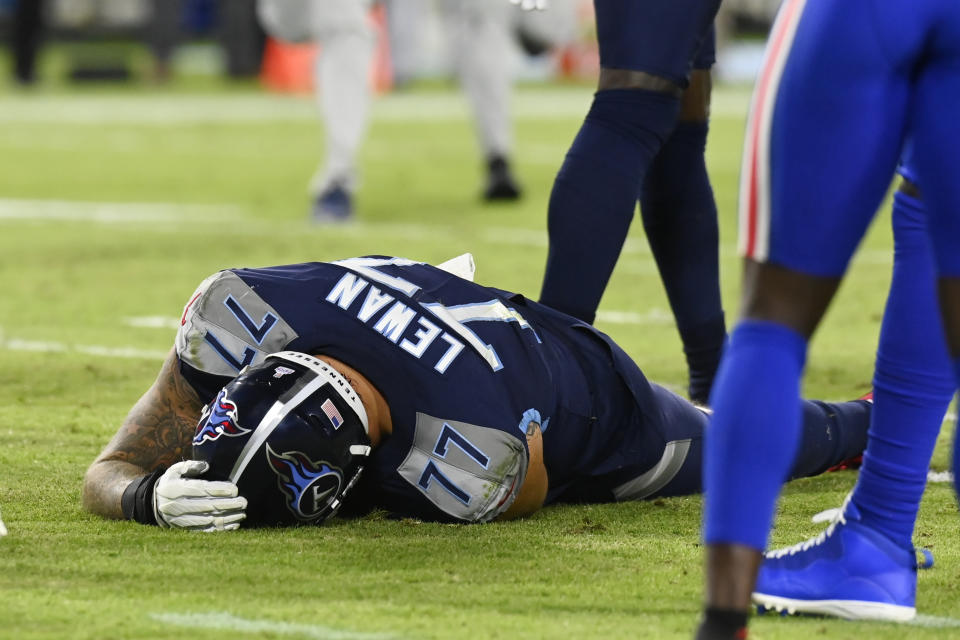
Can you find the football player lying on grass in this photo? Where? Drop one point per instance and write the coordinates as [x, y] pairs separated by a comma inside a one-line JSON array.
[[458, 402]]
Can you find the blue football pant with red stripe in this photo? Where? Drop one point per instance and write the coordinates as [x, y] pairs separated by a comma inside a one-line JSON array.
[[842, 84]]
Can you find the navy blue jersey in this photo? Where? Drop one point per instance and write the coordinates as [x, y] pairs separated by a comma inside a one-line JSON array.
[[464, 369]]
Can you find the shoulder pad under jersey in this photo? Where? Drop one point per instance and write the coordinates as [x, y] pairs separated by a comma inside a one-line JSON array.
[[226, 326]]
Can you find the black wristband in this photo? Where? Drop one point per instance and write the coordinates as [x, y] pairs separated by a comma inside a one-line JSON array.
[[137, 499]]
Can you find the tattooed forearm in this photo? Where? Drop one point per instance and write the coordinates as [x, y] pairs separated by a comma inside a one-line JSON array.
[[156, 433]]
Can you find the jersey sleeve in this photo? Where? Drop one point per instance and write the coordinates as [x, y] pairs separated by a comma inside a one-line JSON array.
[[226, 326], [456, 471]]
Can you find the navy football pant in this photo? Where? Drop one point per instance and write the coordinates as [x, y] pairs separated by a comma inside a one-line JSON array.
[[830, 434], [626, 133], [665, 38]]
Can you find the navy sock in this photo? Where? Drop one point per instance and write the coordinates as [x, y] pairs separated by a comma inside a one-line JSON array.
[[831, 432], [594, 195], [754, 432], [680, 219], [913, 384]]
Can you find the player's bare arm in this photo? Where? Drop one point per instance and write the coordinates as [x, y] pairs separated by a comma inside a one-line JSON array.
[[156, 433], [533, 491]]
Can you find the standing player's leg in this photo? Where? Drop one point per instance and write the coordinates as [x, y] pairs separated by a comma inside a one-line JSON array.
[[818, 158], [479, 33], [937, 155], [680, 219], [913, 382], [347, 45], [646, 52], [162, 34], [341, 85], [405, 22], [913, 385]]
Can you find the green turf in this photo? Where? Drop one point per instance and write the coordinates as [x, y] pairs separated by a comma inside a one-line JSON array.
[[622, 571]]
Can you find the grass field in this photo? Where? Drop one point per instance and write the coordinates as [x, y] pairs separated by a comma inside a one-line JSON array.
[[114, 205]]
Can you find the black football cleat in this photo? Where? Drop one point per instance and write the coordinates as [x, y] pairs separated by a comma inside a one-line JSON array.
[[501, 185]]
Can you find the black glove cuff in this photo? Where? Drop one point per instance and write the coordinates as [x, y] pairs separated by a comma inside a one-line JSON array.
[[137, 500]]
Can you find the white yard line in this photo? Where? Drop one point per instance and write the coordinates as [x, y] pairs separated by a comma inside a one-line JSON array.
[[653, 316], [152, 322], [538, 238], [937, 622], [936, 477], [38, 346], [131, 213], [113, 212], [150, 109], [229, 622]]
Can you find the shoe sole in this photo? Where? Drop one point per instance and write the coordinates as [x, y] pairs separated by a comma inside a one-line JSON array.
[[848, 609]]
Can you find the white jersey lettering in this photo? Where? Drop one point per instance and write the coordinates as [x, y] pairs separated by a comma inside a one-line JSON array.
[[425, 337], [345, 292], [374, 301], [394, 322]]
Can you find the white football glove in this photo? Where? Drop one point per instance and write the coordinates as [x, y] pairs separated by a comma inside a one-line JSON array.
[[184, 501], [531, 5]]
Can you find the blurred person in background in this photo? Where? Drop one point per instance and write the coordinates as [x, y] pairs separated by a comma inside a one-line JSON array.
[[25, 39], [480, 33], [236, 24], [405, 20]]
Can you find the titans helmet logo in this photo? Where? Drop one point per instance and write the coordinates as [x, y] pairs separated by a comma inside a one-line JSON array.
[[219, 418], [309, 486]]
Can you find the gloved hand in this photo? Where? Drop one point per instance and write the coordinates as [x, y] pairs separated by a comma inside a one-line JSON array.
[[182, 500], [531, 5]]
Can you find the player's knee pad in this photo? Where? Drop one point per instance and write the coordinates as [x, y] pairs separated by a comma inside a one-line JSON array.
[[636, 114]]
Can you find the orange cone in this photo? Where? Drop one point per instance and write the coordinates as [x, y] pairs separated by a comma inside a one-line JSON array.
[[287, 67]]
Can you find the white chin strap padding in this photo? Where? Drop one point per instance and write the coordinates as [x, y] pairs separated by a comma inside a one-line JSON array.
[[360, 450]]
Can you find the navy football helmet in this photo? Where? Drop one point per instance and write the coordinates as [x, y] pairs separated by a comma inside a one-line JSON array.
[[291, 433]]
